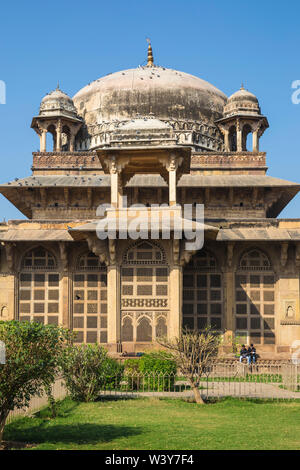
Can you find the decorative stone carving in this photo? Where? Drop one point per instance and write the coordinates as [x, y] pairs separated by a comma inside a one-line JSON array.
[[63, 255], [3, 312], [112, 251], [9, 251], [230, 247], [297, 257], [98, 247], [176, 251], [186, 257], [284, 253]]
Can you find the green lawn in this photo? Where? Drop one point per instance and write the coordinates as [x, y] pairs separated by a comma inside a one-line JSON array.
[[152, 423]]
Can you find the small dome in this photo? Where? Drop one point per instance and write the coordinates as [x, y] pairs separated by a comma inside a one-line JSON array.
[[242, 102], [57, 103]]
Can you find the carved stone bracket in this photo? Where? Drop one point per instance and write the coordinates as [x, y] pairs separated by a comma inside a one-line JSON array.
[[9, 251], [297, 255], [176, 252], [112, 251], [99, 248], [230, 247], [63, 255], [284, 253], [186, 256]]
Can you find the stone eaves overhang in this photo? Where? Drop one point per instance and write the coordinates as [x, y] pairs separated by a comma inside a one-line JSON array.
[[17, 190], [225, 230]]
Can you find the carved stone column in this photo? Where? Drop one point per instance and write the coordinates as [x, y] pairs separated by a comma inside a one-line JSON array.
[[175, 295], [43, 143], [72, 141], [116, 183], [255, 145], [58, 136], [238, 136], [229, 298], [172, 180], [113, 298], [65, 284]]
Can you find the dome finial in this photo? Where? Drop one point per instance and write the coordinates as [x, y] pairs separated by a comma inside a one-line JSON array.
[[242, 86], [150, 62], [58, 86]]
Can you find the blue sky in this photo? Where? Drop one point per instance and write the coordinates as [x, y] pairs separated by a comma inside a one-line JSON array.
[[75, 42]]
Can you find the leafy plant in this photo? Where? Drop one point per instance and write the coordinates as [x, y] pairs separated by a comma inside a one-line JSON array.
[[87, 370], [153, 371], [33, 353]]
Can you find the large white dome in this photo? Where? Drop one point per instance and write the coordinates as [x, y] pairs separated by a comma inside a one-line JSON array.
[[182, 100]]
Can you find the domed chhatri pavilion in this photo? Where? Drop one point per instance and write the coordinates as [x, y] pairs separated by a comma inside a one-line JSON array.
[[156, 136]]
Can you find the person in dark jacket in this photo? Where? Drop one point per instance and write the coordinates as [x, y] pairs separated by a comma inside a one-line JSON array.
[[251, 354], [243, 353]]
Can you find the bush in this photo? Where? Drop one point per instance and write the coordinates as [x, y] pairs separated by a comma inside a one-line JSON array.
[[154, 371], [33, 353], [87, 370], [132, 373]]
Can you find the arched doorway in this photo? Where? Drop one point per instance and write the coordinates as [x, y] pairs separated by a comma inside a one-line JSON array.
[[202, 293], [39, 294], [144, 293], [90, 300]]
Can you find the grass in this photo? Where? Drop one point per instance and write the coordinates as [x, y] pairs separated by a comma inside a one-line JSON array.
[[152, 423]]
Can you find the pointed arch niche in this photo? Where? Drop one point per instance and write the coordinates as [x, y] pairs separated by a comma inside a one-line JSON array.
[[144, 293]]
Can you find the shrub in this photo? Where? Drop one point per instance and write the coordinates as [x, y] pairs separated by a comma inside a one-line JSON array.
[[153, 371], [87, 370], [132, 373], [159, 371], [33, 353]]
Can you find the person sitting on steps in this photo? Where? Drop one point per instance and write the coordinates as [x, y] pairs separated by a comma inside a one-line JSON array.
[[251, 354], [243, 353]]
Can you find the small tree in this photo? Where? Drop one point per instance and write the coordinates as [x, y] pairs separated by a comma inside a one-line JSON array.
[[33, 353], [87, 369], [193, 352]]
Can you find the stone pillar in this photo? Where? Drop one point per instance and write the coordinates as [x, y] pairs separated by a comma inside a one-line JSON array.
[[114, 182], [72, 142], [58, 136], [116, 190], [113, 306], [64, 289], [238, 137], [229, 299], [172, 168], [255, 141], [64, 285], [43, 140], [113, 298], [172, 187], [175, 314], [226, 140], [228, 306]]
